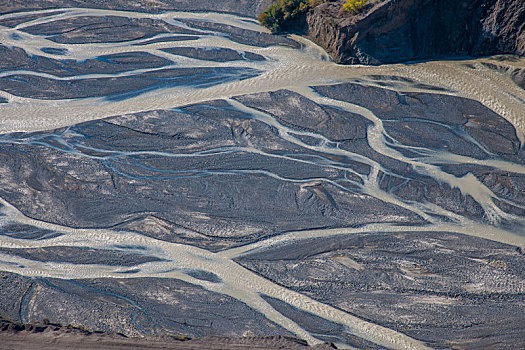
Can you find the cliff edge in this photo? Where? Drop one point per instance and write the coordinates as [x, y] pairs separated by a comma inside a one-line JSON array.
[[391, 31]]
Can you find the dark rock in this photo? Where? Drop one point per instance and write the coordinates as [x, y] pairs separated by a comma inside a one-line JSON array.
[[408, 30]]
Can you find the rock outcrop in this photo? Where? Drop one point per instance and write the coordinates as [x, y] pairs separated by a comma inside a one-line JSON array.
[[391, 31]]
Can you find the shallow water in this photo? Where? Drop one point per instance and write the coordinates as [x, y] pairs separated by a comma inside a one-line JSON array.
[[284, 67]]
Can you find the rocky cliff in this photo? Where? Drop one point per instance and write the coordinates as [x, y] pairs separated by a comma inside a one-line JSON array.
[[390, 31]]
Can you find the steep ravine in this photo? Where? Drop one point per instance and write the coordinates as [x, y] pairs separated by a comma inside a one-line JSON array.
[[392, 31]]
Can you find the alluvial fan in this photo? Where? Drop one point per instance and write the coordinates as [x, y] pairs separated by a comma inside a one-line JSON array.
[[165, 170]]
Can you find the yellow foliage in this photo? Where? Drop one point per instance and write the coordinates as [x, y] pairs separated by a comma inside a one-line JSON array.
[[354, 6], [283, 11]]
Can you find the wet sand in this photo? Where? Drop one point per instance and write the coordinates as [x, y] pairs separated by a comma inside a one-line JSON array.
[[189, 174]]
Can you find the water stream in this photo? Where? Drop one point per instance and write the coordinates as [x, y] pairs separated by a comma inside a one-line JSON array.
[[284, 67]]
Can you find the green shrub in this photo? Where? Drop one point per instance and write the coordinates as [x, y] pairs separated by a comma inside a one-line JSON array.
[[276, 16], [354, 6]]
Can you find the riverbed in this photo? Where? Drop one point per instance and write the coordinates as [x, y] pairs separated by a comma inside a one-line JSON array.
[[189, 173]]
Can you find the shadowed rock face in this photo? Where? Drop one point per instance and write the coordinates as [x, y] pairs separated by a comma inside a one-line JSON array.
[[408, 30]]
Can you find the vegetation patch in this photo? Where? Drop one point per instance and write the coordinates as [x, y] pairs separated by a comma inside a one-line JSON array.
[[281, 13], [354, 6]]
